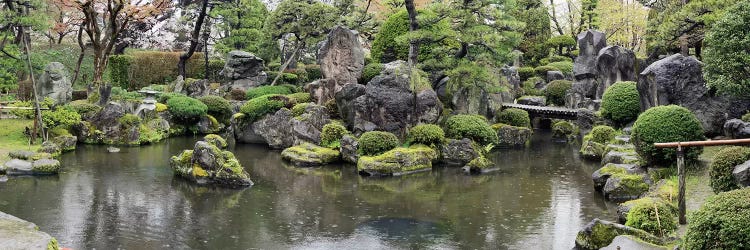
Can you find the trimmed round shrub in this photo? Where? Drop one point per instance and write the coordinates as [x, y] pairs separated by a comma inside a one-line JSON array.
[[186, 108], [541, 71], [514, 117], [331, 135], [377, 142], [670, 123], [370, 71], [723, 222], [260, 106], [652, 215], [61, 116], [556, 90], [267, 90], [129, 120], [474, 127], [602, 134], [723, 165], [564, 66], [621, 102], [301, 97], [525, 73], [164, 97], [426, 134], [217, 107]]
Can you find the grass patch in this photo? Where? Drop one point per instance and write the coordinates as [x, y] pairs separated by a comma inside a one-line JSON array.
[[12, 137]]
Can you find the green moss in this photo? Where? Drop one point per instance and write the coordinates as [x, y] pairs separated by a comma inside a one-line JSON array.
[[129, 120], [331, 135], [525, 73], [652, 215], [474, 127], [267, 90], [216, 140], [149, 135], [541, 71], [746, 117], [53, 245], [564, 129], [198, 171], [260, 106], [301, 97], [723, 165], [161, 107], [307, 154], [299, 109], [562, 66], [556, 90], [602, 233], [399, 160], [427, 134], [480, 163], [514, 117], [377, 142], [370, 71]]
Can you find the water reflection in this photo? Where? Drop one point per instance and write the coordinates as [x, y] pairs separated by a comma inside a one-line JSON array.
[[539, 199]]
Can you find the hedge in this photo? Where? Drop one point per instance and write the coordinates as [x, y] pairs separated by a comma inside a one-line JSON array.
[[723, 222], [138, 69]]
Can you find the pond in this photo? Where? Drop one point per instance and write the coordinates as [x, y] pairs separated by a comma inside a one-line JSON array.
[[539, 199]]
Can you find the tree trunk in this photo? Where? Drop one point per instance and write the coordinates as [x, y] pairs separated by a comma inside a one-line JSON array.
[[413, 26], [194, 39], [554, 18], [286, 64], [80, 56]]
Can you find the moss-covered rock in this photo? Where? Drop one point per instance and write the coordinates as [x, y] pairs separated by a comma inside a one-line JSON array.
[[598, 234], [514, 117], [207, 164], [216, 140], [398, 161], [592, 150], [459, 152], [723, 165], [601, 175], [16, 233], [620, 157], [625, 186], [479, 165], [564, 130], [45, 166], [307, 155], [511, 135], [66, 142]]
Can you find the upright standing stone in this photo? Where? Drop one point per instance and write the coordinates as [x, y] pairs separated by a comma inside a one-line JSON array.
[[55, 83], [614, 64], [585, 70], [243, 70], [341, 60]]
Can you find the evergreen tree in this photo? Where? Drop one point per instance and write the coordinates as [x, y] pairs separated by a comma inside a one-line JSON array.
[[537, 30], [241, 25]]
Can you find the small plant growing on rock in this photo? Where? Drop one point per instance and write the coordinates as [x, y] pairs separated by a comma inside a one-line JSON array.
[[621, 102], [427, 134], [746, 117], [299, 109], [377, 142], [541, 71], [721, 223], [301, 97], [370, 71], [652, 215], [187, 109], [331, 135], [129, 120], [514, 117], [525, 73], [474, 127], [723, 165], [670, 123], [556, 90]]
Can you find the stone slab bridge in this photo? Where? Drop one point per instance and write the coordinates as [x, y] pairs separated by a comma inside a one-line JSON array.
[[545, 112]]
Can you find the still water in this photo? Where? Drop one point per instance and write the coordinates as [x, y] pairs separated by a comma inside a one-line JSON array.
[[539, 199]]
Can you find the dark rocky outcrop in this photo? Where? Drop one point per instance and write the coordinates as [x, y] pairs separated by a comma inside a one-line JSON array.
[[345, 101], [512, 78], [476, 100], [243, 70], [341, 60], [555, 75], [513, 136], [585, 72], [737, 129], [390, 104], [275, 129], [601, 175], [348, 149], [208, 164], [480, 165], [55, 83], [678, 80], [614, 64], [307, 127]]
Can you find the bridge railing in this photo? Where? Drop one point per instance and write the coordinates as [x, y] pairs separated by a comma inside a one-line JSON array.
[[681, 165]]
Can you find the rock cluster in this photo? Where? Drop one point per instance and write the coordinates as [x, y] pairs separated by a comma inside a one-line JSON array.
[[207, 163], [30, 163]]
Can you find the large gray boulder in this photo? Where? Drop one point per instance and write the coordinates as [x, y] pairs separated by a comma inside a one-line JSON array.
[[741, 174], [243, 70], [555, 75], [614, 64], [512, 78], [532, 100], [390, 104], [513, 136], [349, 148], [275, 129], [477, 100], [345, 101], [590, 42], [598, 234], [678, 80], [341, 60], [55, 83], [307, 127], [16, 233], [737, 129], [459, 152]]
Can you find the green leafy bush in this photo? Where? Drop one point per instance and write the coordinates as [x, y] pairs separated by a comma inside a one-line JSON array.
[[666, 124], [474, 127], [331, 135], [186, 108], [652, 215], [286, 78], [541, 71], [267, 90], [723, 222], [218, 107], [621, 102], [389, 44], [258, 107], [333, 108], [129, 120], [427, 134], [370, 71], [29, 113], [556, 90], [529, 86], [60, 117], [301, 97], [164, 97], [525, 73], [377, 142], [746, 117], [602, 134], [514, 117], [726, 55], [723, 165], [564, 66]]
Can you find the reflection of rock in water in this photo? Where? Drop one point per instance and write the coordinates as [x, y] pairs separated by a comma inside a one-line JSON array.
[[403, 230]]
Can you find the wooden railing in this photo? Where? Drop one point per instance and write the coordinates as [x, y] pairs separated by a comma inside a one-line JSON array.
[[681, 165]]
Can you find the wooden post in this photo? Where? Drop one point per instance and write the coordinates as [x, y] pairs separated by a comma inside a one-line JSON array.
[[681, 192]]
